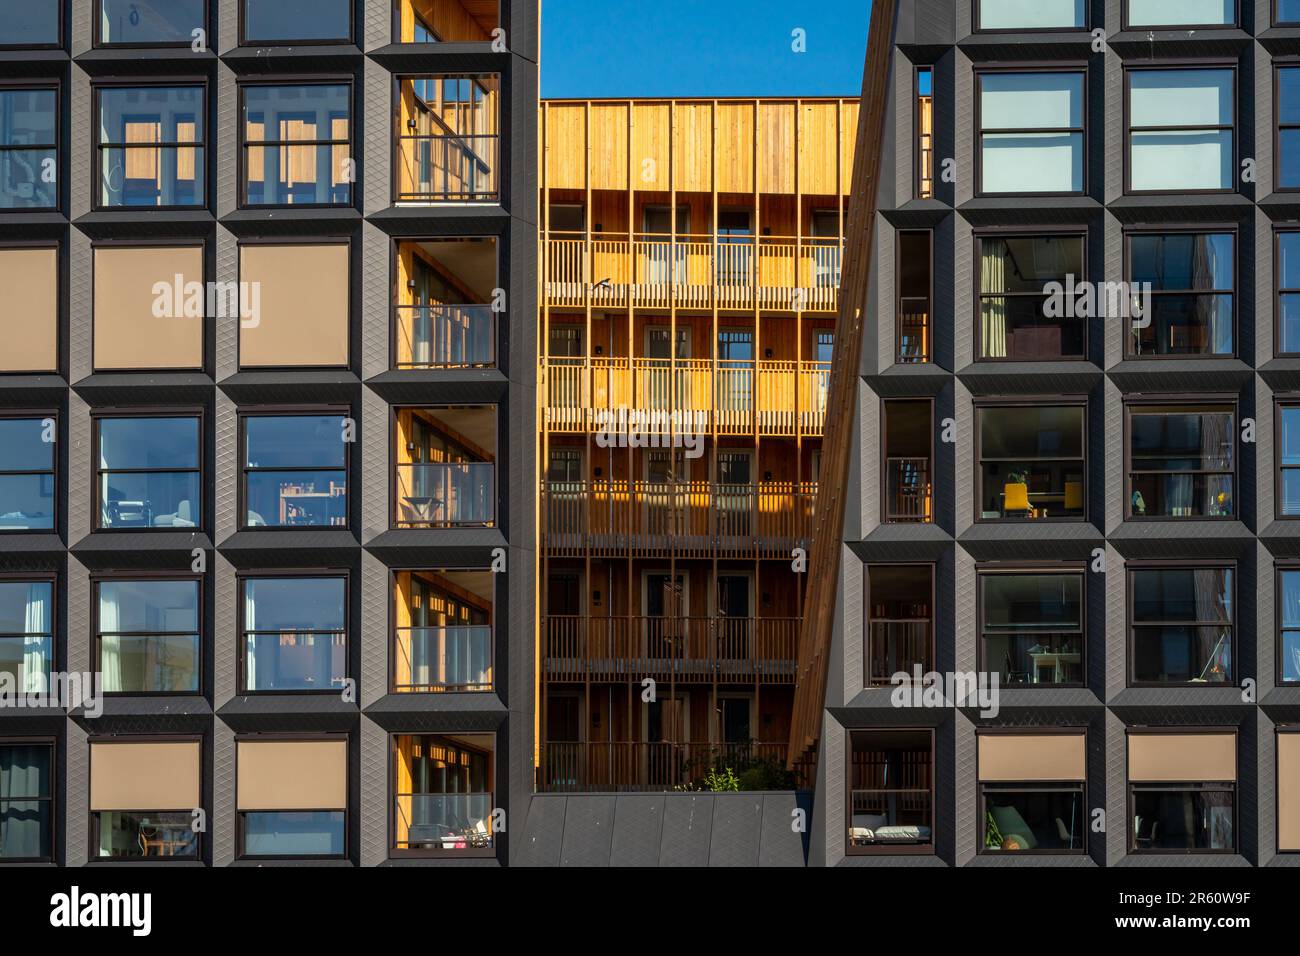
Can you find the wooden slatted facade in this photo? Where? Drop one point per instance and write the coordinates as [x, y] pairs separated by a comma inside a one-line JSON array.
[[690, 256]]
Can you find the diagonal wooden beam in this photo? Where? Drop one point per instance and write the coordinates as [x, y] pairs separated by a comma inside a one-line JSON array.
[[827, 542]]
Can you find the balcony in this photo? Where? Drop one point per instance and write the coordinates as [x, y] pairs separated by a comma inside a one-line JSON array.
[[433, 659], [768, 398], [908, 483], [607, 270], [683, 649], [445, 472], [685, 518], [446, 21], [447, 145], [636, 766]]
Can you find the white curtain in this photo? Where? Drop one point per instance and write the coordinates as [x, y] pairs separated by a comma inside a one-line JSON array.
[[250, 623], [993, 311], [36, 644], [110, 660], [21, 773]]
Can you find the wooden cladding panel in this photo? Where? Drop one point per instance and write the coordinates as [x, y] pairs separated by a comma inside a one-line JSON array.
[[735, 147], [788, 132], [818, 135], [776, 131], [609, 158], [651, 133], [566, 145], [693, 148]]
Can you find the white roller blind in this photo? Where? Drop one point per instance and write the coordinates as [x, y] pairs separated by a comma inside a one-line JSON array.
[[1033, 162], [1188, 13], [1180, 98], [1030, 14], [1031, 100], [1181, 160]]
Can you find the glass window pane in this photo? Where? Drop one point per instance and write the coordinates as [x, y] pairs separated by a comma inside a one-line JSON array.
[[1187, 820], [1032, 163], [30, 23], [1181, 160], [1030, 14], [1288, 160], [149, 606], [150, 500], [1180, 98], [1288, 260], [297, 19], [1031, 432], [301, 113], [23, 182], [1177, 440], [26, 607], [1032, 602], [298, 441], [131, 443], [1031, 100], [134, 835], [28, 117], [22, 445], [1290, 599], [1042, 820], [154, 114], [1288, 96], [1288, 11], [149, 663], [25, 818], [294, 604], [150, 21], [1180, 13], [293, 833], [1178, 262], [1289, 321], [1192, 595]]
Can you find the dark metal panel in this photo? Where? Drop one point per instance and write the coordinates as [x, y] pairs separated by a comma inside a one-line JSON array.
[[588, 829]]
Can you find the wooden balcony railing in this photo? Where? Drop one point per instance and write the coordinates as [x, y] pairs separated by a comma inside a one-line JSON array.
[[908, 494], [768, 398], [782, 274], [633, 766], [686, 649], [686, 518], [896, 646]]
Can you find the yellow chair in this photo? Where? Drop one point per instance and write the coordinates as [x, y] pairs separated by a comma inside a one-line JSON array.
[[1074, 496], [1016, 498]]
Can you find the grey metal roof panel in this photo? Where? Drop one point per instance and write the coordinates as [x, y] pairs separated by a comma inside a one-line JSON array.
[[588, 830], [688, 828], [736, 829], [543, 836], [637, 830], [780, 843]]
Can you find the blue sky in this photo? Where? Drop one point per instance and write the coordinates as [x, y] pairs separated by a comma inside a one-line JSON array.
[[596, 48]]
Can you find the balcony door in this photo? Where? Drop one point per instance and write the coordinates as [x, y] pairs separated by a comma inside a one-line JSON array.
[[735, 370], [734, 613], [657, 389], [735, 493], [661, 265], [826, 248], [664, 602], [735, 246], [736, 728], [665, 722]]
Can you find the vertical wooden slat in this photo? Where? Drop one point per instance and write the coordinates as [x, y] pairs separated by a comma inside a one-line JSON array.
[[824, 561]]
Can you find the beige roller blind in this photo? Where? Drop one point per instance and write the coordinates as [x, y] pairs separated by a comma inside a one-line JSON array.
[[1021, 757], [292, 775], [145, 776], [303, 305], [1186, 758], [128, 335], [29, 319], [1288, 791]]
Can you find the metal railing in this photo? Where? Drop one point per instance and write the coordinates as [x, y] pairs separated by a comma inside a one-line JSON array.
[[447, 168], [445, 495], [640, 766], [444, 336], [689, 649], [438, 659], [908, 490]]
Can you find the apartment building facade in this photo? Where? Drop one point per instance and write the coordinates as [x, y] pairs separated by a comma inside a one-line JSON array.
[[267, 372], [689, 267], [1071, 462]]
